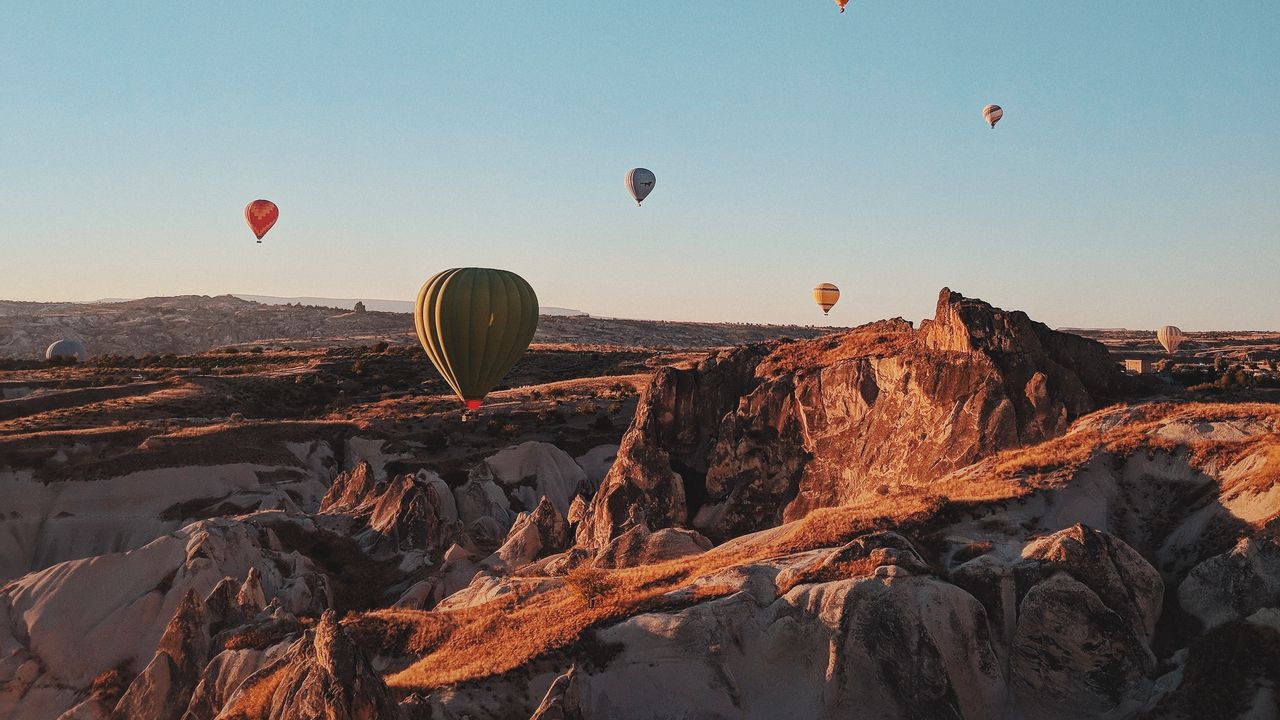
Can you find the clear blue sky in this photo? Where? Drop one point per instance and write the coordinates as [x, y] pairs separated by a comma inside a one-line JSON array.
[[1134, 181]]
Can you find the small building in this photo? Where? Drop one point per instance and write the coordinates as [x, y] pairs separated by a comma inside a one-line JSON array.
[[1137, 366]]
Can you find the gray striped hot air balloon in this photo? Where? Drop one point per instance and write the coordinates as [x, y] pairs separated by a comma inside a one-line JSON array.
[[1170, 337], [993, 113], [640, 183]]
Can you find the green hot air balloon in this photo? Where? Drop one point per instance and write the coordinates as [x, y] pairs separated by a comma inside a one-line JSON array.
[[475, 323]]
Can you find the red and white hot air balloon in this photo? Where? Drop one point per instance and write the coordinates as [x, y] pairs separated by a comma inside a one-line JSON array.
[[261, 215], [842, 3]]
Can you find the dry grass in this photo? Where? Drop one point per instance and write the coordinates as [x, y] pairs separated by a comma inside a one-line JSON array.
[[878, 339], [500, 636], [258, 697], [110, 685], [406, 632]]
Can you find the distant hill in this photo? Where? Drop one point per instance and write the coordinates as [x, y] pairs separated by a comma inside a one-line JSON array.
[[399, 306], [196, 323]]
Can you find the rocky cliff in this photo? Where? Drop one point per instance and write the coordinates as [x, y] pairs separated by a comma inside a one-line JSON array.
[[754, 436]]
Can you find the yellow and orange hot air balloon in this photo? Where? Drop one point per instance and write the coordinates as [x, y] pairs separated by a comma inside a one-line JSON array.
[[826, 295], [842, 3], [261, 215]]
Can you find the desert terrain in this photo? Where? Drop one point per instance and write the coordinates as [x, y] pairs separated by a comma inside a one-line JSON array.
[[237, 511]]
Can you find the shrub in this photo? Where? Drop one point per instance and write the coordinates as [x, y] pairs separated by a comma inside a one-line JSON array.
[[551, 416], [602, 423], [380, 346], [499, 429], [588, 583]]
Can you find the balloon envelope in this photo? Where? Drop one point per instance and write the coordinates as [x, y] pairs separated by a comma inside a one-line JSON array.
[[640, 183], [842, 3], [261, 215], [475, 323], [67, 349], [1170, 337], [826, 295], [993, 113]]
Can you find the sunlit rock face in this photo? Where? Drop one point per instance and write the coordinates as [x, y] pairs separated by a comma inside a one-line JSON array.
[[751, 437], [322, 675]]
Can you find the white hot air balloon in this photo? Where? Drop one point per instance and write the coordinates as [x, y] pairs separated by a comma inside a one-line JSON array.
[[993, 113], [640, 183], [1170, 337]]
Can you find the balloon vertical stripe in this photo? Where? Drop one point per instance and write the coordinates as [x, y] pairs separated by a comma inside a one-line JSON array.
[[474, 324]]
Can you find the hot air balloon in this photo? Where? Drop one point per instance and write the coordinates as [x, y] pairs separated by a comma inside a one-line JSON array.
[[993, 113], [1170, 337], [826, 295], [475, 323], [842, 3], [66, 349], [261, 215], [640, 183]]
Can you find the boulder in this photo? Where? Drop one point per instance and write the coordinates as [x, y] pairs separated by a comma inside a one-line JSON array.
[[531, 471], [1235, 584], [1084, 624], [534, 535], [639, 546]]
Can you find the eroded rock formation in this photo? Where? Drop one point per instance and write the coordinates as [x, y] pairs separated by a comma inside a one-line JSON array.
[[752, 437]]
